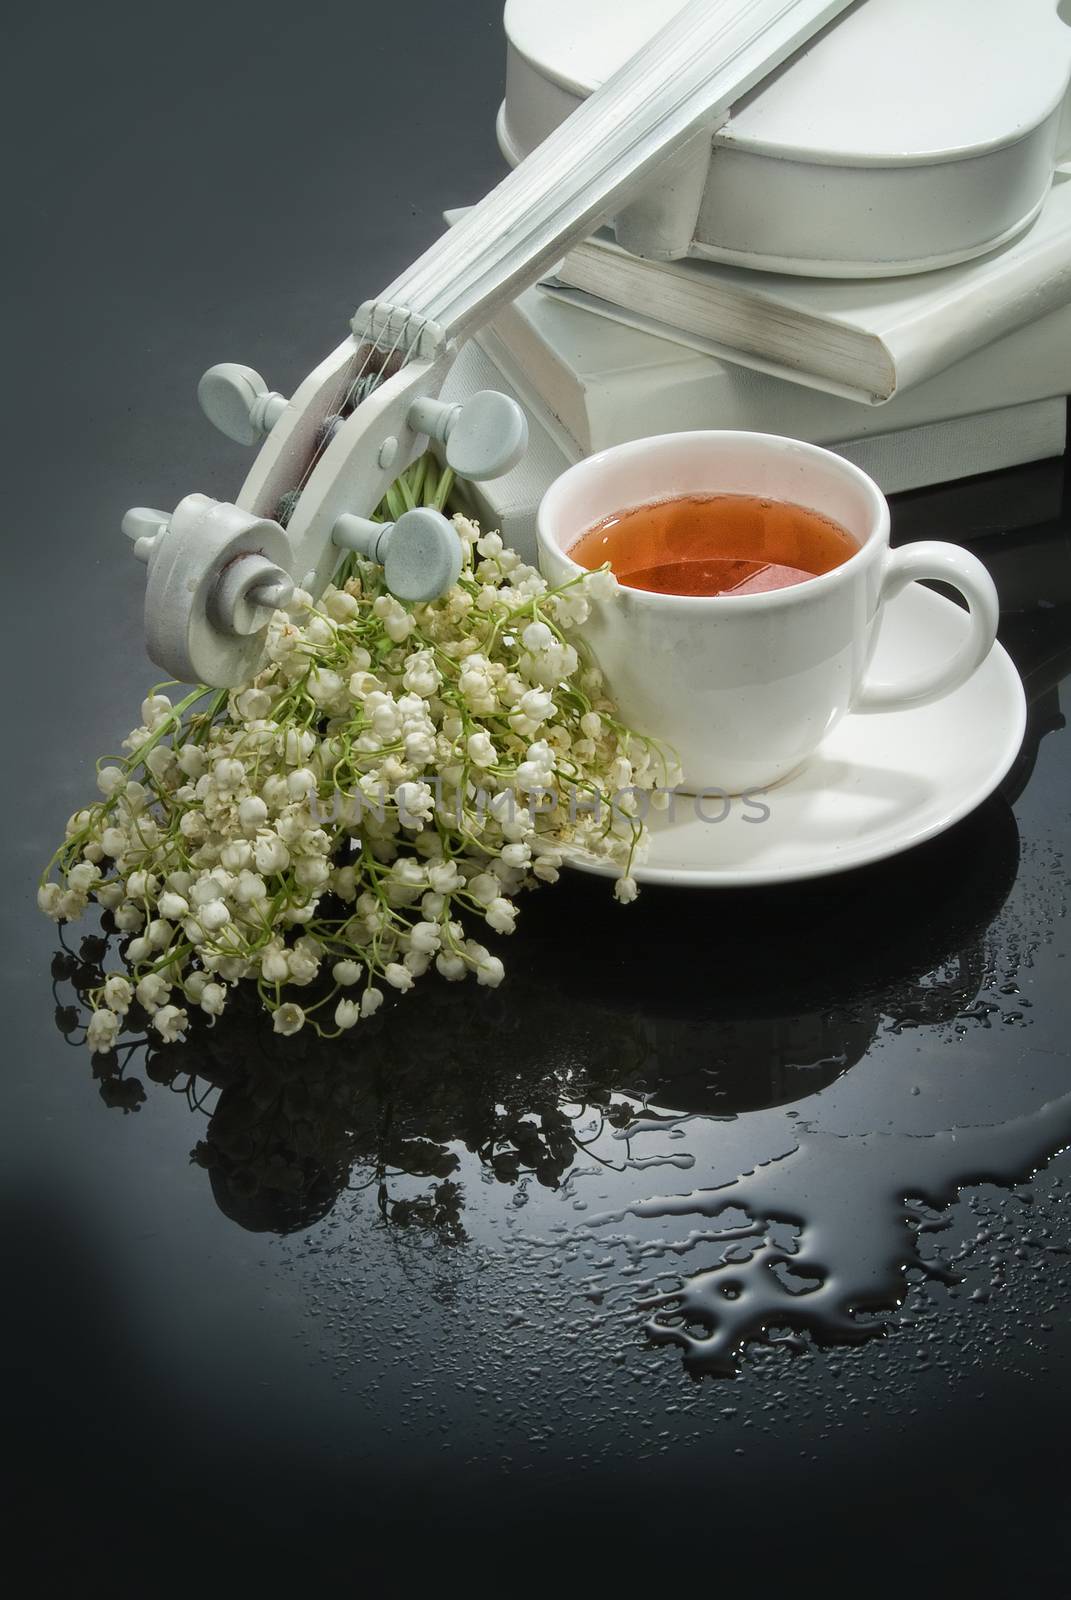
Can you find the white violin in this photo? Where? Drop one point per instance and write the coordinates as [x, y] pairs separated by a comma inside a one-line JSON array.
[[638, 148]]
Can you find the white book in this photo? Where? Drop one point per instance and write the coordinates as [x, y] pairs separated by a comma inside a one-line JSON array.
[[961, 447], [867, 340], [604, 382], [898, 459]]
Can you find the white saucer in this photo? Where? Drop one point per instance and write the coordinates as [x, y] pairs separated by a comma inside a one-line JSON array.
[[880, 784]]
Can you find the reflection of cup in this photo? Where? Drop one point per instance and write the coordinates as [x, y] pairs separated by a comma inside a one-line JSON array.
[[785, 990], [745, 687]]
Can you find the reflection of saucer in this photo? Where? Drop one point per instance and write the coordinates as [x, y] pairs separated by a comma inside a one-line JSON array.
[[880, 784]]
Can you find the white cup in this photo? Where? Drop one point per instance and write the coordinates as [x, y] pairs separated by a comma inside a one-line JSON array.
[[744, 688]]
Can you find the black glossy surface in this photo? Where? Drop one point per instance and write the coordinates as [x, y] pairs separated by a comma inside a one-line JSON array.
[[376, 1322]]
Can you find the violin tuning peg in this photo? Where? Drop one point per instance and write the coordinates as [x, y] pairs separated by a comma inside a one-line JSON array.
[[483, 437], [238, 402], [360, 534], [248, 590], [420, 554], [216, 574], [143, 526]]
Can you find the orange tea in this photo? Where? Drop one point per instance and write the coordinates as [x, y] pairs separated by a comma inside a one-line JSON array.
[[717, 544]]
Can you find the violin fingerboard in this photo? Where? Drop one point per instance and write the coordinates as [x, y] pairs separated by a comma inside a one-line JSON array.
[[680, 85]]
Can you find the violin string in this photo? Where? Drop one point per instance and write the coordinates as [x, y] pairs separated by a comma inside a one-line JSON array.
[[351, 386]]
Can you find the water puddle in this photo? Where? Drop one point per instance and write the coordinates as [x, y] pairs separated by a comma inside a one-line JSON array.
[[819, 1237]]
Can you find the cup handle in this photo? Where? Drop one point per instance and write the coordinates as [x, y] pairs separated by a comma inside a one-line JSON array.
[[930, 559]]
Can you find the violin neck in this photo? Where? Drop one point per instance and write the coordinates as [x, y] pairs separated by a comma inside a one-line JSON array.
[[662, 106]]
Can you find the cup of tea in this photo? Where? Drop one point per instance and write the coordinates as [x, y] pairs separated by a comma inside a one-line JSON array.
[[752, 572]]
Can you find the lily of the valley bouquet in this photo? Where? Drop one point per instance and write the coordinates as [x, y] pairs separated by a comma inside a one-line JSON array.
[[367, 807]]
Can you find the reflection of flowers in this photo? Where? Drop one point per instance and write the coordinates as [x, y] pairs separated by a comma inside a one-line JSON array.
[[297, 1121]]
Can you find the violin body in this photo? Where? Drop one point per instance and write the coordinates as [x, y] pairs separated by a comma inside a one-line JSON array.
[[906, 135]]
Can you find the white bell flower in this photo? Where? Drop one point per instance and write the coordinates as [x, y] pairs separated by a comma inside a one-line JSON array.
[[416, 804], [483, 888], [159, 933], [421, 675], [212, 886], [537, 636], [371, 1000], [274, 964], [163, 765], [252, 813], [82, 877], [236, 855], [488, 968], [501, 915], [192, 760], [312, 872], [213, 999], [304, 968], [298, 745], [481, 750], [195, 984], [325, 686], [252, 704], [49, 896], [288, 1018], [420, 748], [340, 606], [102, 1032], [363, 683], [152, 991], [347, 1013], [110, 780], [155, 710], [118, 993], [301, 783], [270, 853], [250, 888], [170, 1023], [601, 584], [425, 937], [213, 915]]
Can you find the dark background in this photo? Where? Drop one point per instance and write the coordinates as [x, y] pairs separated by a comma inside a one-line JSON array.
[[198, 1396]]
